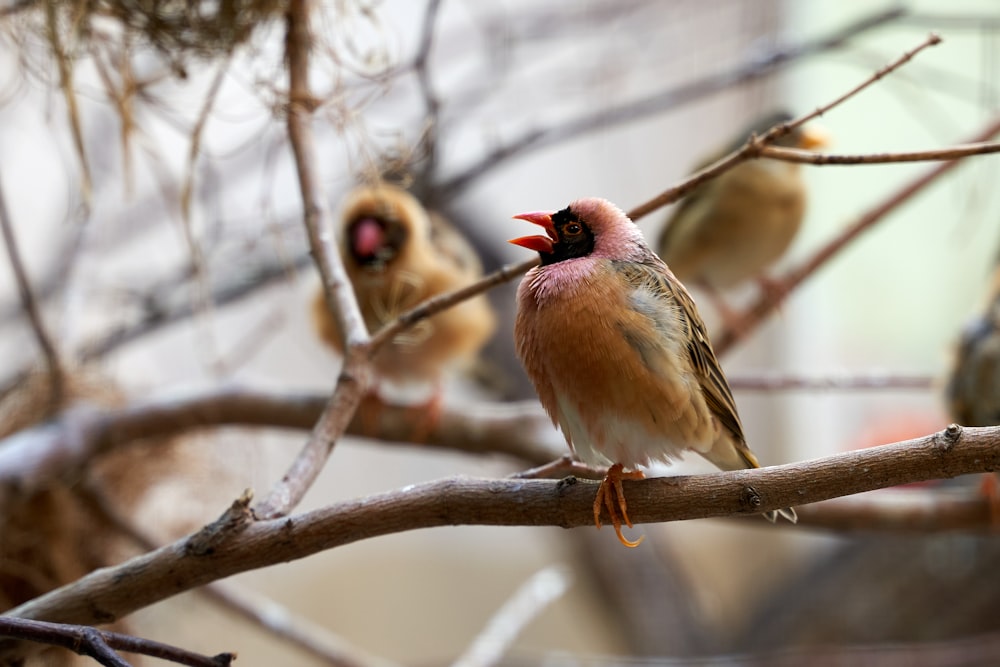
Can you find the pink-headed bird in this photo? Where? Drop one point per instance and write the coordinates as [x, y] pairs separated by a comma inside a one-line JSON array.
[[618, 354]]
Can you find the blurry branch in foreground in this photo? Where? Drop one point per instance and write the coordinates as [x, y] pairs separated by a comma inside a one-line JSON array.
[[280, 621], [238, 543], [979, 650], [534, 595], [101, 645], [30, 305]]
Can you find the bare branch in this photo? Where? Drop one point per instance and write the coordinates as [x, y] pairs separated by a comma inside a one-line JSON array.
[[30, 305], [294, 628], [355, 376], [542, 589], [196, 132], [64, 61], [754, 144], [918, 511], [808, 157], [873, 381], [30, 458], [99, 645], [110, 593], [432, 104], [755, 68], [440, 302], [769, 300], [969, 651], [280, 621]]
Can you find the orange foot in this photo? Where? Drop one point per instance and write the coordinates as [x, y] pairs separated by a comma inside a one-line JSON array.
[[990, 488], [610, 495]]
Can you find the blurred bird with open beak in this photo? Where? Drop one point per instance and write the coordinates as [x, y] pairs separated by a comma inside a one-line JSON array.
[[973, 389], [733, 227], [618, 354], [396, 255]]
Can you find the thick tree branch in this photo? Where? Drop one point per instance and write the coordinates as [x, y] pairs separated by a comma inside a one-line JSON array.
[[111, 593], [30, 458], [769, 300]]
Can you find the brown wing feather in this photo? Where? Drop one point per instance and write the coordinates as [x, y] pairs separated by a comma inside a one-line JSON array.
[[654, 277]]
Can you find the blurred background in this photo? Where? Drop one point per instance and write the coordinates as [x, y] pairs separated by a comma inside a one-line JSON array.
[[164, 241]]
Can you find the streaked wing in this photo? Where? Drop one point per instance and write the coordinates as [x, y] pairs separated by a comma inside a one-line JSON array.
[[678, 309]]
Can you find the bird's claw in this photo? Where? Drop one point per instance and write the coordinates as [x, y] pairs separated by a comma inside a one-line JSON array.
[[611, 495]]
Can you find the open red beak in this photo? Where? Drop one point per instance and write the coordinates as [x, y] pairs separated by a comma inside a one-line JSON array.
[[537, 243]]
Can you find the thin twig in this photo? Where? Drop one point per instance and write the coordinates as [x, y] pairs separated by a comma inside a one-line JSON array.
[[100, 644], [808, 157], [562, 467], [658, 102], [293, 628], [112, 592], [769, 300], [876, 382], [440, 302], [755, 144], [432, 104], [30, 305], [196, 133], [542, 589], [64, 62], [355, 376]]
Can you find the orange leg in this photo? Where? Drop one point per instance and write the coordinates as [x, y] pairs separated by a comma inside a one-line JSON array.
[[422, 419], [990, 488], [369, 412], [610, 495], [425, 417]]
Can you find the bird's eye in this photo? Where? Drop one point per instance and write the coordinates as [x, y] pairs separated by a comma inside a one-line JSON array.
[[572, 229]]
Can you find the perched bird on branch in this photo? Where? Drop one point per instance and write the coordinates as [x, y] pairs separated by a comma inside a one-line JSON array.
[[398, 254], [618, 353], [973, 389], [733, 227]]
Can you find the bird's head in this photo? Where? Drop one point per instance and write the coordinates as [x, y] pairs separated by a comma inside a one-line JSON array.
[[590, 227], [377, 224]]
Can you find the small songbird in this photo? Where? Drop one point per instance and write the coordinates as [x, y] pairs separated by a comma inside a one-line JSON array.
[[396, 255], [732, 228], [618, 354], [973, 388]]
